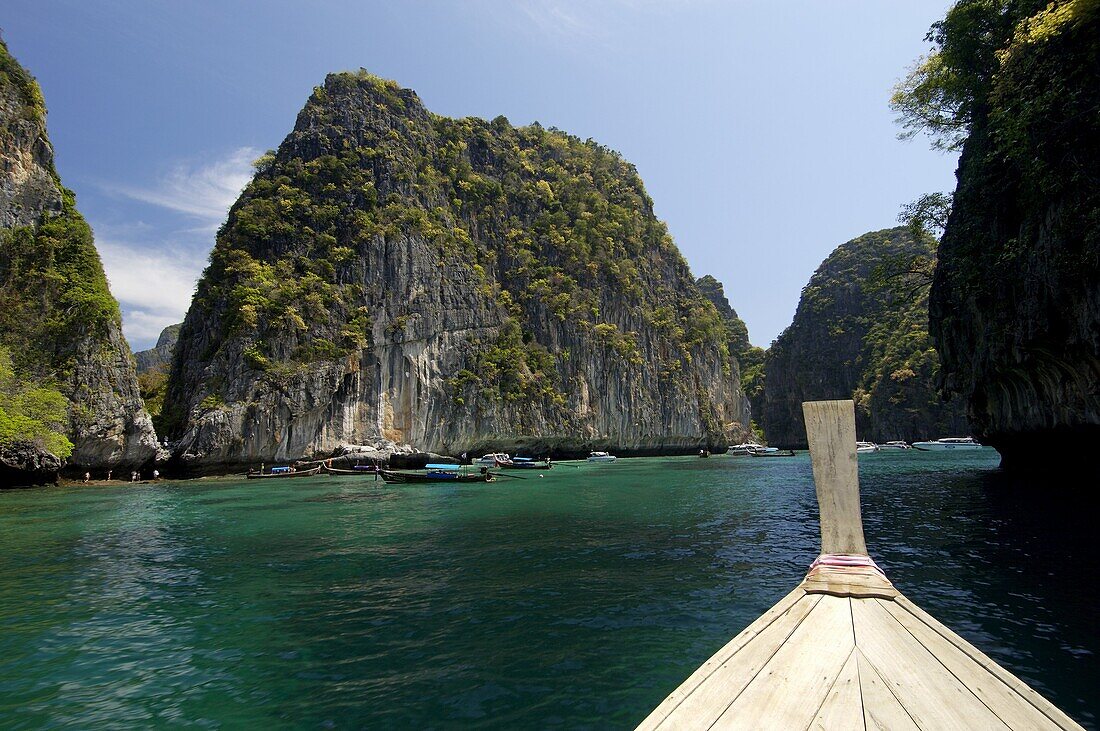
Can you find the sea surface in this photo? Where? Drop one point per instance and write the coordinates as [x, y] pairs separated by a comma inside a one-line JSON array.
[[574, 600]]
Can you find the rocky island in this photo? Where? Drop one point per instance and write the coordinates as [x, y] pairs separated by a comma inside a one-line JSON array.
[[1015, 305], [455, 284], [855, 337], [66, 376]]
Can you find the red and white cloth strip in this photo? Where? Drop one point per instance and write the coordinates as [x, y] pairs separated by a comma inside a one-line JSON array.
[[846, 560]]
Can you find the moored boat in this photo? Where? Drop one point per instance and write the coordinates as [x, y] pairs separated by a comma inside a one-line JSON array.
[[282, 473], [947, 444], [866, 447], [356, 471], [894, 445], [493, 460], [527, 463], [747, 448], [601, 457], [773, 452], [449, 473]]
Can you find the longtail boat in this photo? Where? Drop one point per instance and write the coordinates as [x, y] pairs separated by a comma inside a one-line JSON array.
[[845, 649], [282, 474], [357, 471], [774, 453], [437, 473], [526, 463]]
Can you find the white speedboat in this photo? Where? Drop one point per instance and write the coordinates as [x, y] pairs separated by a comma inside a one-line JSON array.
[[601, 457], [894, 445], [494, 459], [947, 443], [866, 447], [748, 448]]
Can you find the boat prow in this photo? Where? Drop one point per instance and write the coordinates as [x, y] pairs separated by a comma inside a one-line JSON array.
[[845, 649]]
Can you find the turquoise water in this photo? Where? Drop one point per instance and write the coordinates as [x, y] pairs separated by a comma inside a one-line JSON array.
[[577, 600]]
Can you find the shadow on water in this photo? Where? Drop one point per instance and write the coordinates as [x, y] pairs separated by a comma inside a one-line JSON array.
[[1003, 561]]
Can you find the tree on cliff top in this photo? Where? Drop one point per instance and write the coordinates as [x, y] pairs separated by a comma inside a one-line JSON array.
[[947, 89]]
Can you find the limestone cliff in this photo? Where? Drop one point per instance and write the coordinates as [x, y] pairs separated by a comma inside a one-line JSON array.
[[459, 285], [1015, 304], [57, 317], [159, 356], [852, 337], [153, 366], [749, 357]]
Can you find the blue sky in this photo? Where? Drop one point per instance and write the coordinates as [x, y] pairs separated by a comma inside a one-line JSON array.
[[761, 129]]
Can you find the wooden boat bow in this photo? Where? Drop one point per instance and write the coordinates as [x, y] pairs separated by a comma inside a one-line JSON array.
[[845, 649]]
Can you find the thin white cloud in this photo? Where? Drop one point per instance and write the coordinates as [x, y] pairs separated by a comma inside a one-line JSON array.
[[589, 18], [202, 191], [552, 17], [153, 287]]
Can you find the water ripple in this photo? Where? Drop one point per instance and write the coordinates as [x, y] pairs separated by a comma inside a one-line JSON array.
[[574, 601]]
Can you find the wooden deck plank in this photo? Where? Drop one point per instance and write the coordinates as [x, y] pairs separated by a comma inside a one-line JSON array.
[[1012, 708], [791, 687], [927, 691], [881, 710], [1014, 684], [854, 582], [705, 702], [731, 648], [843, 706], [831, 434]]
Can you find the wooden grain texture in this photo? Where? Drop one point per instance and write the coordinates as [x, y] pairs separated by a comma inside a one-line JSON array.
[[700, 705], [933, 697], [881, 709], [1048, 709], [831, 434], [791, 687], [843, 706], [1014, 709], [857, 582], [670, 703]]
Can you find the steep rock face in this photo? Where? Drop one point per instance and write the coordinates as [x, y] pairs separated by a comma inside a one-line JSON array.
[[161, 355], [457, 285], [57, 317], [749, 357], [853, 339], [26, 464], [1015, 304]]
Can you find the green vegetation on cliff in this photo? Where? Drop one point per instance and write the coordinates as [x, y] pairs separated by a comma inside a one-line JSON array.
[[31, 413], [52, 291], [549, 227], [52, 287], [749, 357], [854, 336], [1013, 307], [58, 321]]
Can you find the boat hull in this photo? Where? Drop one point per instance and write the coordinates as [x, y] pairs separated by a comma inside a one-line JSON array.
[[406, 478], [337, 472], [285, 475], [938, 447]]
